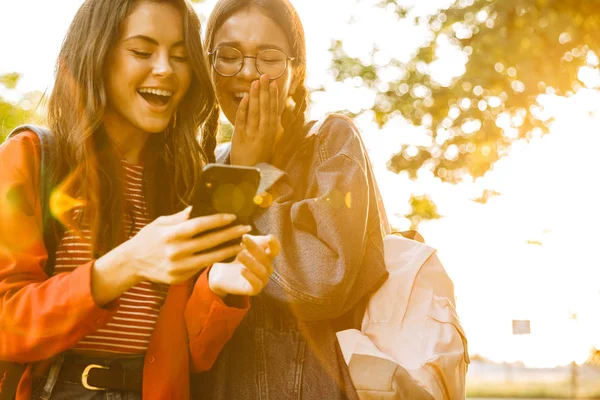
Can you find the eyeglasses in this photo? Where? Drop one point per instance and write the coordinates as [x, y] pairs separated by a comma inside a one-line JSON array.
[[229, 61]]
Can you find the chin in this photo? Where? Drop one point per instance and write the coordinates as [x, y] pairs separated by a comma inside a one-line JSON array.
[[154, 126], [230, 114]]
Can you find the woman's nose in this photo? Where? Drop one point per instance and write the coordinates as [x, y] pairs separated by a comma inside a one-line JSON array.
[[249, 71], [162, 65]]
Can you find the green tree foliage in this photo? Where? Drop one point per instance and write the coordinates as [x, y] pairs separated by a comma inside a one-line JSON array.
[[422, 209], [10, 80], [594, 358], [515, 50], [11, 114]]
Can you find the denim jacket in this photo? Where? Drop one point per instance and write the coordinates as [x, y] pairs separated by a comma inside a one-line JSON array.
[[324, 212]]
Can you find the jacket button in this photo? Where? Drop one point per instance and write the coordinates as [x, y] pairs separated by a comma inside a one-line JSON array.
[[151, 359]]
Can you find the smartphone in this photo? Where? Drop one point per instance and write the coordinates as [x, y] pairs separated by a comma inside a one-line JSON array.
[[228, 189]]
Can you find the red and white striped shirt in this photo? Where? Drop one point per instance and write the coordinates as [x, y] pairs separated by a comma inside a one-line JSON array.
[[129, 330]]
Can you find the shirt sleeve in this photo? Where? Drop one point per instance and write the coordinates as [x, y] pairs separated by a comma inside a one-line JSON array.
[[211, 322], [39, 316], [322, 229]]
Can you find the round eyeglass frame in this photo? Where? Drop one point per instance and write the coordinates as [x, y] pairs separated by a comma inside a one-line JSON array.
[[213, 58]]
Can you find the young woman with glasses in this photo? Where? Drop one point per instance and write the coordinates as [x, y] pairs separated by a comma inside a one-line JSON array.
[[131, 307], [318, 202]]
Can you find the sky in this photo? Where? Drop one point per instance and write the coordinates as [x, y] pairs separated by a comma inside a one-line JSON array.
[[547, 187]]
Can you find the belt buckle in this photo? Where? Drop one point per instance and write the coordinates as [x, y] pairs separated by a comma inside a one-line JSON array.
[[85, 375]]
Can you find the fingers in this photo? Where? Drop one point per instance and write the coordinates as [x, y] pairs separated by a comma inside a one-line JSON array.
[[176, 218], [265, 105], [256, 259], [240, 119], [209, 240], [180, 270], [273, 107], [201, 261], [274, 246], [269, 243], [253, 119], [259, 253], [256, 285], [195, 226], [250, 272]]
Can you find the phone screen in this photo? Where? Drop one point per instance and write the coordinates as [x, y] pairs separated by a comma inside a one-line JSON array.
[[227, 189]]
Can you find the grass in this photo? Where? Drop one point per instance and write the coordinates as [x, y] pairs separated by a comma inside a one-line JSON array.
[[531, 390]]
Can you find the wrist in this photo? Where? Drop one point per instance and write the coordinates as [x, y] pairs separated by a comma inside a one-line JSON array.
[[119, 264], [213, 282]]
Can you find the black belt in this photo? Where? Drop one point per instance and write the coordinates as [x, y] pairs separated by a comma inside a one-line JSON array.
[[95, 376]]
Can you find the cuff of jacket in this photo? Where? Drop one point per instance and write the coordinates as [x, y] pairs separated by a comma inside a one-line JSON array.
[[269, 175], [211, 321], [205, 305], [80, 290]]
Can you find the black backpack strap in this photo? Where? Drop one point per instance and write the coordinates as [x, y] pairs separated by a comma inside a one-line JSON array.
[[48, 163], [11, 372]]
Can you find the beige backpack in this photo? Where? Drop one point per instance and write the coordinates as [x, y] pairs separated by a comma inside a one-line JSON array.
[[411, 333], [411, 344]]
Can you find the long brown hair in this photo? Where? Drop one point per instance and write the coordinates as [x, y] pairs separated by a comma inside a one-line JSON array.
[[283, 13], [172, 159]]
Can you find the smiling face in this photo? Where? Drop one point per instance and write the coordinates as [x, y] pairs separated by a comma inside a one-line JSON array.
[[250, 31], [147, 72]]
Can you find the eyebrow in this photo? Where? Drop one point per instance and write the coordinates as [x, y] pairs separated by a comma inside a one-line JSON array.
[[260, 47], [150, 40]]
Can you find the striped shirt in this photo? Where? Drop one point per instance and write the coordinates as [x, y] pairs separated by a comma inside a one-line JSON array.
[[129, 330]]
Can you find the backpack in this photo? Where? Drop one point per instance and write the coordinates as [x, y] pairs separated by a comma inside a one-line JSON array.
[[411, 344], [11, 372], [410, 331]]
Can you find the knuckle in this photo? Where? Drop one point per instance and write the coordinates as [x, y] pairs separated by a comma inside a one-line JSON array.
[[171, 254], [167, 235]]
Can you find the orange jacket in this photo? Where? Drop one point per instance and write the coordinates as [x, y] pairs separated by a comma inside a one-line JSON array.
[[41, 317]]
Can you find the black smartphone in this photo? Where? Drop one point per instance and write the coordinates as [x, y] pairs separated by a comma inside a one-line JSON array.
[[227, 189]]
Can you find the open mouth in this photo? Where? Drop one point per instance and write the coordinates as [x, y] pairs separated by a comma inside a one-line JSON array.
[[238, 96], [156, 97]]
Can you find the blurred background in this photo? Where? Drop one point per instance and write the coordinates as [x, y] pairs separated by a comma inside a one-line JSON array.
[[481, 118]]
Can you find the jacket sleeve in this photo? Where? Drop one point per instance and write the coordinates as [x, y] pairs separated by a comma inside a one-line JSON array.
[[323, 230], [39, 317], [211, 322]]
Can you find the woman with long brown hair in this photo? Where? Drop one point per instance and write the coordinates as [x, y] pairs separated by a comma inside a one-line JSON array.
[[319, 202], [131, 305]]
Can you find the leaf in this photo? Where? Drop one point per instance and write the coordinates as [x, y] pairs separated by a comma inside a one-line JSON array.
[[10, 80]]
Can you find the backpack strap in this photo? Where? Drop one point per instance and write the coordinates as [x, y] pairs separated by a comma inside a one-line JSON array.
[[11, 372], [48, 163]]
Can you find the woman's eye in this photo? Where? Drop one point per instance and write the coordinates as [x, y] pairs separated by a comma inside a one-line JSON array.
[[180, 58], [141, 54]]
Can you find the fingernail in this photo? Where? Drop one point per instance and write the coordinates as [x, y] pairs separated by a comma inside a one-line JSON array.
[[245, 229], [255, 85], [230, 217]]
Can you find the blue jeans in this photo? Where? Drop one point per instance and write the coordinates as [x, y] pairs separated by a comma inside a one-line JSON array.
[[51, 388]]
